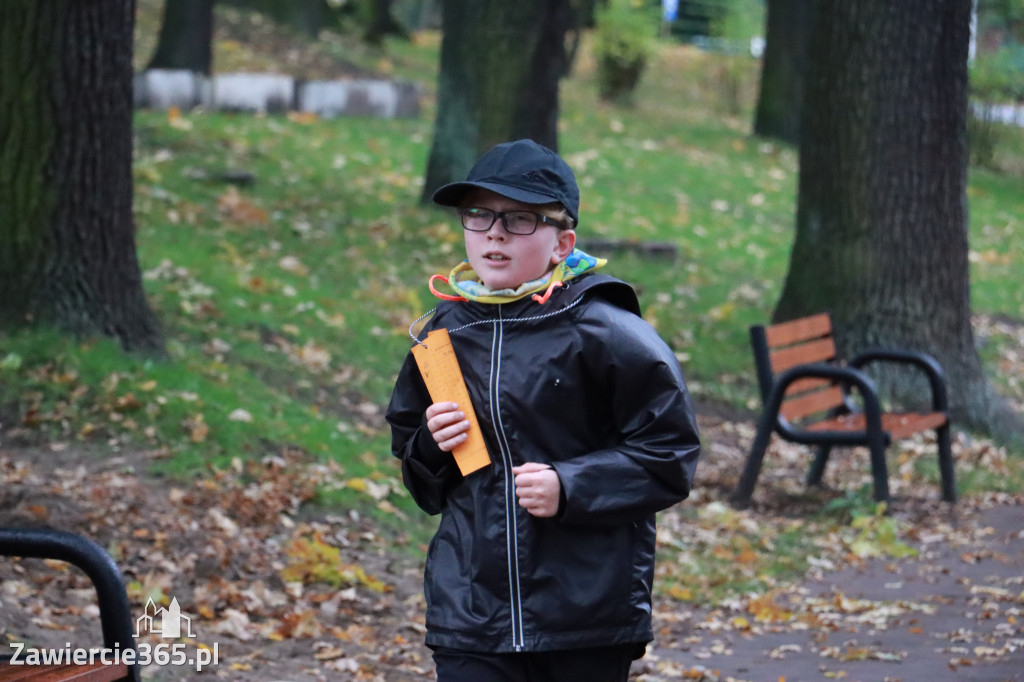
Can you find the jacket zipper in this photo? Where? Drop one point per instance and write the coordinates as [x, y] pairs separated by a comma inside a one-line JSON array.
[[511, 534]]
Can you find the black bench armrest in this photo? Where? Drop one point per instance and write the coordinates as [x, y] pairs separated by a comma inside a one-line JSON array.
[[47, 543], [929, 365], [850, 376]]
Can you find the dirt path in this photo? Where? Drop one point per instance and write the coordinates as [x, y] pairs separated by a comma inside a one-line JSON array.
[[955, 612]]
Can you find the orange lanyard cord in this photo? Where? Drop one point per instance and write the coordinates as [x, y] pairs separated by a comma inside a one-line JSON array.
[[547, 294], [435, 292]]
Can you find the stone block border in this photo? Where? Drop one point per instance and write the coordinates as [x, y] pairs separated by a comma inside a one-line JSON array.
[[275, 93]]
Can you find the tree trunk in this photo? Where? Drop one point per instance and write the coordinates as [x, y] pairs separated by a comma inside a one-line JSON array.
[[500, 68], [186, 37], [584, 17], [382, 23], [881, 238], [780, 102], [305, 16], [67, 243]]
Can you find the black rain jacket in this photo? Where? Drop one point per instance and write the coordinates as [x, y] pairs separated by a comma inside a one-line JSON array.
[[581, 383]]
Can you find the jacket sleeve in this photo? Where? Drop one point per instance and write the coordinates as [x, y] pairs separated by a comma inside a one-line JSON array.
[[652, 465], [427, 471]]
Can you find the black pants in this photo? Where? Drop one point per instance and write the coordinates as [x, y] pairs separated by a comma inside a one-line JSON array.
[[604, 664]]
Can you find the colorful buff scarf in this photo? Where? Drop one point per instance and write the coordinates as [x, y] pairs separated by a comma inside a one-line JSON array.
[[469, 287]]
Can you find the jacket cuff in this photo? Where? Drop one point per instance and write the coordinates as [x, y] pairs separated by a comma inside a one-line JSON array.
[[429, 455]]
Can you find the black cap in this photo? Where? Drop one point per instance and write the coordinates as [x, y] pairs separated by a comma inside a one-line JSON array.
[[523, 171]]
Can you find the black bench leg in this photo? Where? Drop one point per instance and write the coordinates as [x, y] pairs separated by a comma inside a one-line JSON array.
[[817, 471], [741, 497], [946, 469], [879, 470]]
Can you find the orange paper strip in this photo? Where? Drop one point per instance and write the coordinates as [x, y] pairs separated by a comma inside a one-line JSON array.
[[441, 373]]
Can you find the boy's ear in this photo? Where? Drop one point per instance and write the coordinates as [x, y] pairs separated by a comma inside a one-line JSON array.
[[566, 243]]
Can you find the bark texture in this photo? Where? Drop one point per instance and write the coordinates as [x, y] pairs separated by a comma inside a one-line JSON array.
[[67, 242], [500, 68], [882, 211], [783, 69], [186, 37]]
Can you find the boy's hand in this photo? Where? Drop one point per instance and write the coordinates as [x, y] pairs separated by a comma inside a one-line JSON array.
[[447, 424], [538, 488]]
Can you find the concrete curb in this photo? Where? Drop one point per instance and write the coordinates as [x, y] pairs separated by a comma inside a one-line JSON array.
[[261, 93]]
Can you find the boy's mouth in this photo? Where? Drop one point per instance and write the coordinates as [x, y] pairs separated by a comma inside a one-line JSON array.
[[496, 257]]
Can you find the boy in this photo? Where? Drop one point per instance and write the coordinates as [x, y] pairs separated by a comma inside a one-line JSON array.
[[542, 565]]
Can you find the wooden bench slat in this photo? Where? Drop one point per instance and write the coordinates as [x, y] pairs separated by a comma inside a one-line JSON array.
[[903, 425], [813, 351], [897, 424], [812, 403], [806, 385], [794, 331]]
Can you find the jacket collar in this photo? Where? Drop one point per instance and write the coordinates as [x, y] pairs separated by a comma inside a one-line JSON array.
[[468, 286]]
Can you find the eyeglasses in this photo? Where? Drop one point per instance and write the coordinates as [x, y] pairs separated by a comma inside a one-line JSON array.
[[514, 222]]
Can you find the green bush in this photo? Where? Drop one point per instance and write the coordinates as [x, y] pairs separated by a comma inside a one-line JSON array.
[[624, 43], [995, 76], [994, 80]]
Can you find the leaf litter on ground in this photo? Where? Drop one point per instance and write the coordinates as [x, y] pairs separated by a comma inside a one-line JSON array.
[[286, 587]]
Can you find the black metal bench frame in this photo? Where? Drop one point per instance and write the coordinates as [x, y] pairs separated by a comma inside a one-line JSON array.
[[116, 620]]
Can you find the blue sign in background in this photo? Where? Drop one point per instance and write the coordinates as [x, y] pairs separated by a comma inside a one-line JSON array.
[[669, 9]]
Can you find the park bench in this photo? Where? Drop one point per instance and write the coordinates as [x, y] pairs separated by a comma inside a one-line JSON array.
[[116, 622], [807, 399]]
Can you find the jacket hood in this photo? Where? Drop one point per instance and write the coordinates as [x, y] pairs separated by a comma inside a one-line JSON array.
[[613, 290], [610, 289]]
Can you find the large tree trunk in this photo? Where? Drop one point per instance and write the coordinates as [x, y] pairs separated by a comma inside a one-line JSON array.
[[881, 236], [500, 68], [780, 102], [67, 244], [186, 37]]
